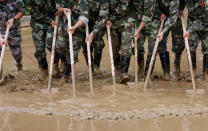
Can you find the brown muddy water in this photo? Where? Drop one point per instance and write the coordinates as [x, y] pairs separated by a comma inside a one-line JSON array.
[[163, 107]]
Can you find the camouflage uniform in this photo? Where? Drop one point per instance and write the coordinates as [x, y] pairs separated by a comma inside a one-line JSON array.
[[8, 10], [51, 9], [98, 14], [198, 27], [79, 12], [151, 31], [40, 21], [143, 11], [123, 29]]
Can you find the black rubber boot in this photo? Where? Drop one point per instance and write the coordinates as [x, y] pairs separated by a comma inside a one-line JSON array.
[[193, 59], [177, 65], [97, 60], [43, 65], [125, 62], [149, 56], [67, 72], [141, 65], [56, 72], [117, 62], [19, 65], [165, 61], [205, 67]]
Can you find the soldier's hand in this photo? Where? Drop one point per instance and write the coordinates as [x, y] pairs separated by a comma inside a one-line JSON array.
[[137, 34], [180, 13], [187, 34], [89, 38], [3, 42], [66, 11], [160, 36], [109, 23], [10, 22], [163, 17], [53, 24], [72, 29]]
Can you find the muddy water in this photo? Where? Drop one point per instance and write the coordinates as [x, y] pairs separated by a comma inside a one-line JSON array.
[[164, 106], [25, 122]]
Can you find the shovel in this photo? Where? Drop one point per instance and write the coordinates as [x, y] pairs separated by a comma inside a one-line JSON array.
[[89, 62], [189, 58], [112, 61], [52, 58], [71, 55], [3, 49], [153, 56]]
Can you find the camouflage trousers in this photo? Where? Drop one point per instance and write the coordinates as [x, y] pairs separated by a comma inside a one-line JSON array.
[[150, 32], [49, 42], [39, 39], [96, 48], [178, 44], [196, 37], [199, 35], [14, 42], [123, 30]]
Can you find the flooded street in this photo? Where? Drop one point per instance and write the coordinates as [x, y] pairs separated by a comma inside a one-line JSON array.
[[25, 122], [166, 106]]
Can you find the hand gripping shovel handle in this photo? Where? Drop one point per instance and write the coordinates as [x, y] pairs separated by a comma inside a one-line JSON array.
[[4, 47], [53, 53], [111, 58], [189, 54], [89, 61], [153, 56], [71, 55]]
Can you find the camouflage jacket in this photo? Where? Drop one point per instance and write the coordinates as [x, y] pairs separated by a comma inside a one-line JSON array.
[[98, 14], [119, 9], [8, 10], [51, 8], [39, 14], [79, 8], [142, 10], [181, 5], [199, 15], [171, 9]]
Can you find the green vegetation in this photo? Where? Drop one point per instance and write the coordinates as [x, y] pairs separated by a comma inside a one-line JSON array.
[[27, 11]]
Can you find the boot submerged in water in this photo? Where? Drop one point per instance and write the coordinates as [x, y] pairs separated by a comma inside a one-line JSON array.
[[165, 61], [205, 67], [177, 65], [141, 65], [125, 61], [193, 59]]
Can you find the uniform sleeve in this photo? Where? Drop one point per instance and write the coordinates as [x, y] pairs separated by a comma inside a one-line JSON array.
[[84, 11], [103, 16], [196, 11], [149, 6], [20, 6], [59, 4], [173, 15]]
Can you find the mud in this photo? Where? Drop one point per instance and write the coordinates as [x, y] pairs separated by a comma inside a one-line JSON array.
[[17, 122], [166, 105]]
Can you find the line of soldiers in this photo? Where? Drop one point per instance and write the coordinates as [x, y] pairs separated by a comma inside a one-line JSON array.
[[127, 19]]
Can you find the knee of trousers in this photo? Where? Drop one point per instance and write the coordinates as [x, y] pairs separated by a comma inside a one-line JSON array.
[[17, 56], [98, 45], [40, 53], [126, 50]]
